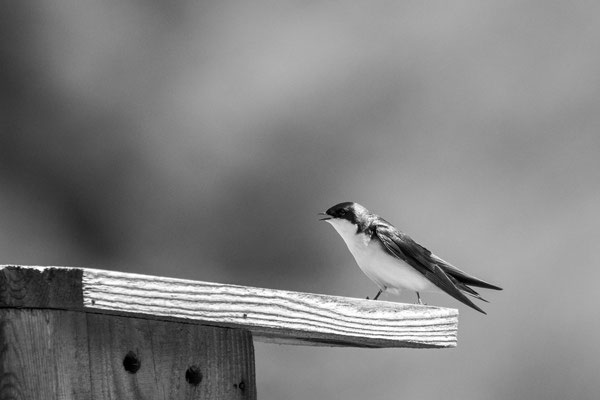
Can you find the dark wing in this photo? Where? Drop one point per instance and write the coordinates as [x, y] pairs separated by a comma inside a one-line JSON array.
[[462, 276], [402, 246]]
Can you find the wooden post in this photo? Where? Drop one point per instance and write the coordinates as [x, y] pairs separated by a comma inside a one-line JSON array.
[[71, 333]]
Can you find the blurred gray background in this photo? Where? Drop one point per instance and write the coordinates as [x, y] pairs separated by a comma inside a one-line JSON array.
[[199, 140]]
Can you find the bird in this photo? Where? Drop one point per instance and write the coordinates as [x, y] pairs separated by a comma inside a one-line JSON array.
[[394, 261]]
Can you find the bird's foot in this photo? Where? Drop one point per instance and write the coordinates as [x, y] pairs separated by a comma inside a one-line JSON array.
[[376, 296]]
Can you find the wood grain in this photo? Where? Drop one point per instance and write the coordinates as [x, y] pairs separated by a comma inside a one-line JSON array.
[[271, 315], [165, 350], [274, 315], [41, 287], [63, 355], [43, 355]]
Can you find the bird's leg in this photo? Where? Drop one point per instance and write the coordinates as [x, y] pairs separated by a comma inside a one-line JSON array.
[[419, 298], [377, 295]]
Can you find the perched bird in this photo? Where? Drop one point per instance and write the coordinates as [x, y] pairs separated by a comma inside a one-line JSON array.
[[394, 261]]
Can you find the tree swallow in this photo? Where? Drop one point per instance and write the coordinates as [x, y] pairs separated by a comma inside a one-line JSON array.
[[394, 261]]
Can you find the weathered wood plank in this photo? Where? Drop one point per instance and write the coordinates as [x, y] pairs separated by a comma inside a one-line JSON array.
[[271, 315], [274, 315], [41, 287], [63, 355], [169, 360], [43, 355]]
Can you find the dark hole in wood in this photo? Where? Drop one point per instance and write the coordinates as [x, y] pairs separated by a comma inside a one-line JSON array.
[[131, 363], [193, 375]]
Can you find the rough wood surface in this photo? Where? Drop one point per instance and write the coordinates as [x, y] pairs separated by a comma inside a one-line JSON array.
[[56, 354], [164, 351], [271, 315], [43, 355], [40, 287]]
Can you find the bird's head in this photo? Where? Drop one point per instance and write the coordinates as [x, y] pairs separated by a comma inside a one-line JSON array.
[[347, 214]]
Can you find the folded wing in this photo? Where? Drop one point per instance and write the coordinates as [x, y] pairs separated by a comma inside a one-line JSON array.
[[442, 274]]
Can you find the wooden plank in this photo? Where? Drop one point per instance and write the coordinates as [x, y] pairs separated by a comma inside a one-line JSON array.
[[274, 315], [271, 315], [164, 356], [63, 355], [43, 355], [41, 287]]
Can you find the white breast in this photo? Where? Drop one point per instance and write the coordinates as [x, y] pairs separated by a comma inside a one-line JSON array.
[[388, 272]]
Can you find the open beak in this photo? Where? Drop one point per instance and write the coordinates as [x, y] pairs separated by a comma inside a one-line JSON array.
[[325, 218]]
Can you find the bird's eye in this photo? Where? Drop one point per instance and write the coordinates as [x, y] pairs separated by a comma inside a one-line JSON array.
[[342, 212]]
